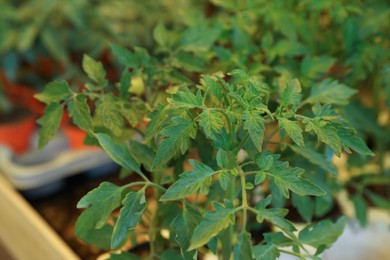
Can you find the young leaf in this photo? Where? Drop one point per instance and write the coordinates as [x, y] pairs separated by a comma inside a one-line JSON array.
[[243, 251], [99, 202], [291, 95], [291, 179], [118, 152], [293, 130], [213, 85], [130, 215], [108, 110], [189, 182], [315, 158], [186, 99], [326, 133], [273, 215], [54, 92], [183, 226], [80, 112], [49, 123], [323, 233], [213, 222], [212, 122], [177, 139], [224, 179], [94, 70], [266, 252], [330, 92], [254, 124]]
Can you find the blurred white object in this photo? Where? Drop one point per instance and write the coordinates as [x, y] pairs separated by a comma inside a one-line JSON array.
[[55, 162], [360, 243]]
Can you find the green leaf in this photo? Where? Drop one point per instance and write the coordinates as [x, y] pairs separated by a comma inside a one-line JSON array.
[[225, 159], [273, 215], [254, 124], [124, 256], [314, 67], [350, 140], [177, 139], [129, 217], [54, 92], [323, 233], [305, 206], [119, 152], [315, 158], [212, 122], [291, 179], [198, 38], [224, 179], [157, 118], [186, 99], [162, 36], [142, 153], [266, 252], [109, 111], [243, 250], [291, 95], [326, 133], [94, 70], [99, 238], [124, 56], [99, 202], [49, 122], [330, 91], [213, 85], [213, 223], [79, 111], [278, 238], [190, 182], [293, 130], [183, 226], [188, 62], [361, 209]]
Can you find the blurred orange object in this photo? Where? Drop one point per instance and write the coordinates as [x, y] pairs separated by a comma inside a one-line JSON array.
[[16, 135]]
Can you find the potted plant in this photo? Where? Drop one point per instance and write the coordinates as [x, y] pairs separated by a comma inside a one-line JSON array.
[[210, 127]]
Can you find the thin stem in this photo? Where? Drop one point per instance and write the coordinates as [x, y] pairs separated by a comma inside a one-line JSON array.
[[157, 186], [244, 200], [247, 163], [294, 253], [137, 183]]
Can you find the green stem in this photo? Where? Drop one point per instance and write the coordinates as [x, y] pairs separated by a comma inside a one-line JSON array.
[[231, 195], [244, 200], [295, 254]]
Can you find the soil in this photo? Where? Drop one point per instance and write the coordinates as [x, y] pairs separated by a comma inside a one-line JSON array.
[[60, 211]]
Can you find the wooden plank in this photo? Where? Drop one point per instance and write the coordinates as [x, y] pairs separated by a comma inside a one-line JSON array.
[[23, 232]]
